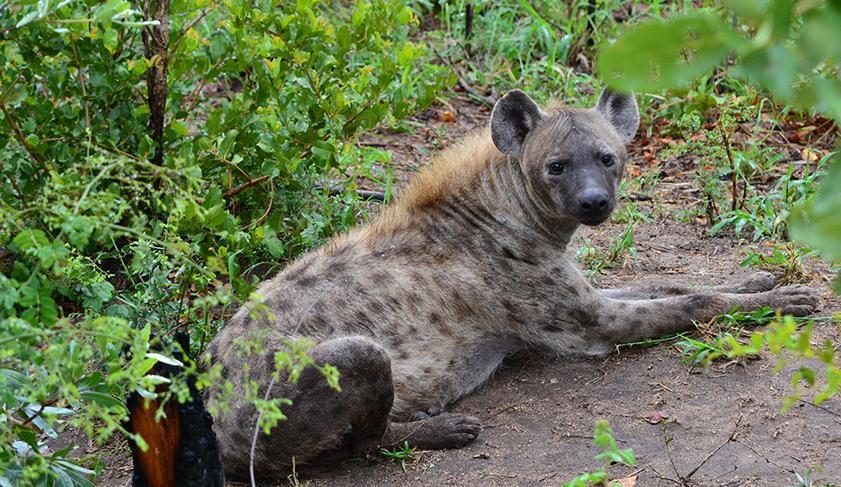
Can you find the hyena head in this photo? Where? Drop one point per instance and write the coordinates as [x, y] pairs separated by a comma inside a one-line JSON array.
[[572, 159]]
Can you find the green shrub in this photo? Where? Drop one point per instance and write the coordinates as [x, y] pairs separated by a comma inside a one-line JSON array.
[[103, 247]]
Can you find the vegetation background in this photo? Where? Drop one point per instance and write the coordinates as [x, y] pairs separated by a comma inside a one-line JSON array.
[[160, 158]]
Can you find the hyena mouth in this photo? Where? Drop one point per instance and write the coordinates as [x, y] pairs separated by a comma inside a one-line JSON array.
[[592, 221]]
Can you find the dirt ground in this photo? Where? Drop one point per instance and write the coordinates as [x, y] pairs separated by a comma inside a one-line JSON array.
[[717, 426]]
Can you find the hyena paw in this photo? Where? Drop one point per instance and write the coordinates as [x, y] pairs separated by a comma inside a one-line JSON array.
[[446, 430], [756, 283], [454, 430], [795, 300]]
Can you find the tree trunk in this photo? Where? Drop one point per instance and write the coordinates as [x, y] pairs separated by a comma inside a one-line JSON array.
[[156, 46]]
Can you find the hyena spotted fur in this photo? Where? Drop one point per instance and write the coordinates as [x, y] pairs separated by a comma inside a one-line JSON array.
[[419, 307]]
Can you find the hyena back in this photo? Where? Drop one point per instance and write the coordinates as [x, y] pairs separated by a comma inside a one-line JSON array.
[[419, 307]]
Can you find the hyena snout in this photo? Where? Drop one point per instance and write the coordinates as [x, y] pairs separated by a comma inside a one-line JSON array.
[[594, 205]]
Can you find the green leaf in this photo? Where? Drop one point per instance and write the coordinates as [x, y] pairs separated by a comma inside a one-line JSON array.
[[164, 359], [28, 18], [751, 11], [103, 399], [818, 222], [31, 238], [27, 436], [667, 53], [806, 374], [774, 67], [58, 411], [818, 26]]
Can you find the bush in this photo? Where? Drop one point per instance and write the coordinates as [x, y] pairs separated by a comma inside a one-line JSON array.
[[123, 219]]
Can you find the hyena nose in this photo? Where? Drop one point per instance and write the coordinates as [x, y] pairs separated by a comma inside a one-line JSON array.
[[593, 199]]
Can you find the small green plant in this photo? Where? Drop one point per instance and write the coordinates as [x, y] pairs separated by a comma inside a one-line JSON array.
[[766, 213], [403, 454], [610, 455], [784, 334], [785, 259], [718, 336], [630, 213], [806, 480], [596, 261], [542, 47]]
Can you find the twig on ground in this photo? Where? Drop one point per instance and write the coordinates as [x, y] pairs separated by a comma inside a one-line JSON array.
[[719, 447], [661, 476], [503, 410], [668, 439], [822, 408], [472, 91], [638, 197], [767, 460], [371, 195]]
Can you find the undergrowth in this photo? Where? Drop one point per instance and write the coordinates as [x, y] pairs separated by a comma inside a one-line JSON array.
[[123, 219]]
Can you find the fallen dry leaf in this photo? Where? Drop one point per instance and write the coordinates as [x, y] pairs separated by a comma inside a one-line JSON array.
[[811, 155], [447, 116], [625, 481], [656, 417]]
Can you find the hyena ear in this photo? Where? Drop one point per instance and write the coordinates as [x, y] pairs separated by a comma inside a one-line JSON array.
[[621, 111], [513, 117]]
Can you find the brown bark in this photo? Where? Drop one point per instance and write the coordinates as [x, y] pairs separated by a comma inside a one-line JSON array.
[[156, 46]]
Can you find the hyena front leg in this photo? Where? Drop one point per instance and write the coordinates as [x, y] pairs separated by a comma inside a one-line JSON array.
[[758, 282], [622, 321]]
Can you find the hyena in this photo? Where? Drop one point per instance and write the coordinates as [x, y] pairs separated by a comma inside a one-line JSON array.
[[419, 307]]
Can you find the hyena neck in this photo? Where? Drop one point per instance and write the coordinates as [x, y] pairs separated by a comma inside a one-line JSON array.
[[504, 191]]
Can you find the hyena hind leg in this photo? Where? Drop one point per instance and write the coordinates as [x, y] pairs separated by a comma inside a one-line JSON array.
[[322, 425], [757, 282]]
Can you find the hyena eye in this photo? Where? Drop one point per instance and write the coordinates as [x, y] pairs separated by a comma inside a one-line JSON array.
[[556, 168], [608, 159]]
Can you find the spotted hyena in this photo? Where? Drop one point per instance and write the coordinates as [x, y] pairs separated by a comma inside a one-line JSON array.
[[420, 306]]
